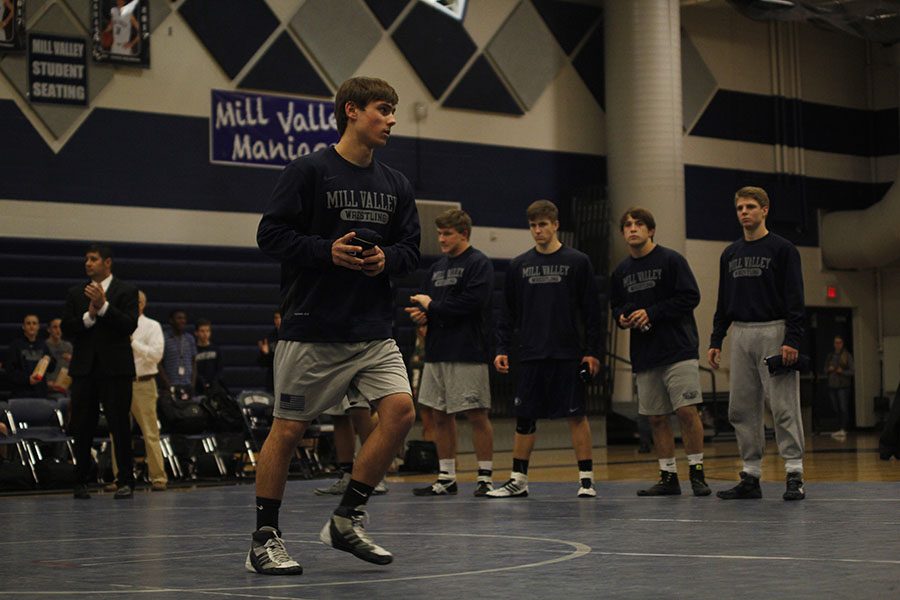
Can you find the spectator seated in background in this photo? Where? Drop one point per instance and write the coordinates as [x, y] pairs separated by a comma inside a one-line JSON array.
[[58, 380], [23, 358], [266, 356], [177, 366], [209, 357]]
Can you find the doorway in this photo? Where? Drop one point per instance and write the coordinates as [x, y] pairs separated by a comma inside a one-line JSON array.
[[822, 324]]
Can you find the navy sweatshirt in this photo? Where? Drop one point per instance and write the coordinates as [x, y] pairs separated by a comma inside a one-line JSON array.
[[550, 300], [460, 289], [318, 198], [760, 281], [22, 356], [662, 284]]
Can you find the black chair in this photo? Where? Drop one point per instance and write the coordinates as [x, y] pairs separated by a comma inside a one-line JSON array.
[[257, 409], [38, 420], [23, 447]]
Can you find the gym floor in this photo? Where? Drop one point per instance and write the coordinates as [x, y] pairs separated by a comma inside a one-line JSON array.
[[190, 542]]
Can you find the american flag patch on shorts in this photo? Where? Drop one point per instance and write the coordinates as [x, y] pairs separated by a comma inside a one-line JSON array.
[[292, 402]]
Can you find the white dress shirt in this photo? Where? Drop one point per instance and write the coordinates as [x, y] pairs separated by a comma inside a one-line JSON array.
[[86, 317], [148, 344]]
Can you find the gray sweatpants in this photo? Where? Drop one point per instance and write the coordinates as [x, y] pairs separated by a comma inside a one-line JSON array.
[[751, 384]]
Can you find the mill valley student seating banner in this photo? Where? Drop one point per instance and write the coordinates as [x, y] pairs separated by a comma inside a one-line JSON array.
[[57, 69], [266, 130]]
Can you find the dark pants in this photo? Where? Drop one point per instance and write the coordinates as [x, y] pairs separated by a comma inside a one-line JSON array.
[[840, 403], [114, 393]]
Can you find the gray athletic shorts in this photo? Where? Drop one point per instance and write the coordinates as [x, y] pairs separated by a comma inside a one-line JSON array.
[[663, 390], [351, 400], [312, 377], [453, 387]]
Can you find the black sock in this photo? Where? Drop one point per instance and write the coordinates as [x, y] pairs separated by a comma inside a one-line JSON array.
[[267, 512], [357, 494], [346, 467], [520, 465]]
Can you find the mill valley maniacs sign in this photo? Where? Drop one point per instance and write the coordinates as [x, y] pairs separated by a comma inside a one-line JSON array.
[[267, 131]]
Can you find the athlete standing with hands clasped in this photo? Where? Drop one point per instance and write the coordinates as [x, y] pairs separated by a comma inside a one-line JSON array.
[[654, 294]]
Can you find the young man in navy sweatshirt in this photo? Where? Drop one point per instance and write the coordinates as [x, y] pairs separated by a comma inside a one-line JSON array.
[[340, 222], [654, 294], [455, 378], [761, 299], [551, 297]]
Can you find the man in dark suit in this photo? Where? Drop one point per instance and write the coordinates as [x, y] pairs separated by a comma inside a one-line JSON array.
[[99, 319]]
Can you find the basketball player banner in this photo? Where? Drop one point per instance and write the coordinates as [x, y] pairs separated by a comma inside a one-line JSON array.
[[264, 130], [121, 31], [12, 25], [57, 69]]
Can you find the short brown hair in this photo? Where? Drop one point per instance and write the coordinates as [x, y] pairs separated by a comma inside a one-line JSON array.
[[360, 91], [456, 219], [542, 208], [754, 193], [638, 214]]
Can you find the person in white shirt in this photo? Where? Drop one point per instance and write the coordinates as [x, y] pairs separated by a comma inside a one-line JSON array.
[[147, 345]]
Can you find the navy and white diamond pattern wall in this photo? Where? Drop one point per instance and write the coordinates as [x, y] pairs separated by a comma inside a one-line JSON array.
[[312, 50], [67, 18]]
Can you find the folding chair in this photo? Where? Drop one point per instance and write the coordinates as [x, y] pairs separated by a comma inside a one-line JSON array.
[[257, 409], [23, 447], [38, 420]]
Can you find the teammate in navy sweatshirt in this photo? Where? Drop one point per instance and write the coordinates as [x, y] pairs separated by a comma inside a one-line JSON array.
[[761, 299], [551, 296], [455, 378], [654, 294], [339, 221]]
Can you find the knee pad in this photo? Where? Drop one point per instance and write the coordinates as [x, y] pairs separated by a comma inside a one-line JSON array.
[[526, 426]]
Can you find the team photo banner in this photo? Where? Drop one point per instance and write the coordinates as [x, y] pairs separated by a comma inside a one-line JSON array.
[[263, 130], [121, 31], [57, 69], [12, 24]]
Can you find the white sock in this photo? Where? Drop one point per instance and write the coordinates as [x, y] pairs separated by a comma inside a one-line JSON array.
[[485, 465], [753, 468], [795, 465], [448, 468], [668, 464], [695, 459]]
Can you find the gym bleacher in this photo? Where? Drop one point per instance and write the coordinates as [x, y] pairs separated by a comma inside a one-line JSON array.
[[235, 288]]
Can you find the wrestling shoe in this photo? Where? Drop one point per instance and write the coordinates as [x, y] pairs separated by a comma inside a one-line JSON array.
[[482, 487], [747, 489], [268, 555], [441, 487], [513, 488], [381, 489], [587, 491], [666, 486], [794, 489], [335, 489], [698, 481], [346, 531]]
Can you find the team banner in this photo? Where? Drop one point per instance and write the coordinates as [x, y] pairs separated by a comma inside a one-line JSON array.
[[121, 31], [57, 69], [267, 131], [12, 24]]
